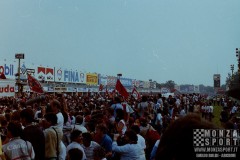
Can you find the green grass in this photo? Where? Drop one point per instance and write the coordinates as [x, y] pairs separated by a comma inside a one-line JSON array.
[[216, 112]]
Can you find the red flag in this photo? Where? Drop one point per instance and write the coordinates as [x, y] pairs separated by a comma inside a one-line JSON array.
[[121, 89], [112, 94], [34, 85], [135, 93], [100, 87], [106, 92], [2, 76]]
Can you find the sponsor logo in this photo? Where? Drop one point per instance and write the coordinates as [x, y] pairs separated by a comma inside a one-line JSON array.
[[7, 70], [215, 143], [71, 76], [7, 89], [59, 74]]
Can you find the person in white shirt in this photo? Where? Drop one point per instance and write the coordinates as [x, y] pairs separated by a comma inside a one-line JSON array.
[[55, 107], [131, 150], [141, 141], [79, 124], [206, 111], [210, 111], [203, 110], [88, 145], [17, 148], [76, 138], [182, 112]]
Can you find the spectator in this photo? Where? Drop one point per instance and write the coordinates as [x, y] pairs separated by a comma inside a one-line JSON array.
[[129, 151], [74, 154], [179, 134], [117, 105], [76, 139], [24, 150], [154, 150], [224, 115], [79, 124], [140, 141], [53, 136], [99, 153], [106, 141], [142, 106], [33, 133], [120, 122], [210, 112], [88, 145], [55, 107], [158, 121]]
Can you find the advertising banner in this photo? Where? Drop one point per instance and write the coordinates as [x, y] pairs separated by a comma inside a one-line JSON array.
[[191, 88], [82, 78], [165, 90], [146, 84], [126, 82], [7, 88], [154, 85], [49, 74], [92, 79], [135, 83], [69, 76], [60, 89], [103, 80], [50, 89], [9, 69], [184, 88], [70, 89], [196, 88], [111, 81], [44, 73], [41, 72], [141, 84]]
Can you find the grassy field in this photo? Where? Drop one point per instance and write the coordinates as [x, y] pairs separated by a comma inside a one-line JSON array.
[[216, 112]]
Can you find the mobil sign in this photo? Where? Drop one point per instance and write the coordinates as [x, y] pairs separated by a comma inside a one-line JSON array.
[[7, 69], [7, 88]]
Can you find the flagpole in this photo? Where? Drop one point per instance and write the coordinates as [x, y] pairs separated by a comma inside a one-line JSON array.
[[19, 56], [119, 75]]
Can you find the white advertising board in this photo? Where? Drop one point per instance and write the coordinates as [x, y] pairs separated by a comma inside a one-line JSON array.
[[7, 88]]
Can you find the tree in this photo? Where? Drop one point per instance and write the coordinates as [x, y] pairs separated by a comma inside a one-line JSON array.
[[170, 84], [158, 85]]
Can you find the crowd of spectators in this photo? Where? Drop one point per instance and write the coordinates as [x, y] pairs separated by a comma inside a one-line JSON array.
[[100, 127]]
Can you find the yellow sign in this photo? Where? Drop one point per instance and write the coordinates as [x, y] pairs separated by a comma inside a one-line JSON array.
[[91, 79]]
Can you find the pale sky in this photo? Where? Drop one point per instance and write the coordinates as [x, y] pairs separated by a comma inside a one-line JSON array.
[[186, 41]]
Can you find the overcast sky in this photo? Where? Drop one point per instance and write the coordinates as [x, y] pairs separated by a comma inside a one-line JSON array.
[[186, 41]]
